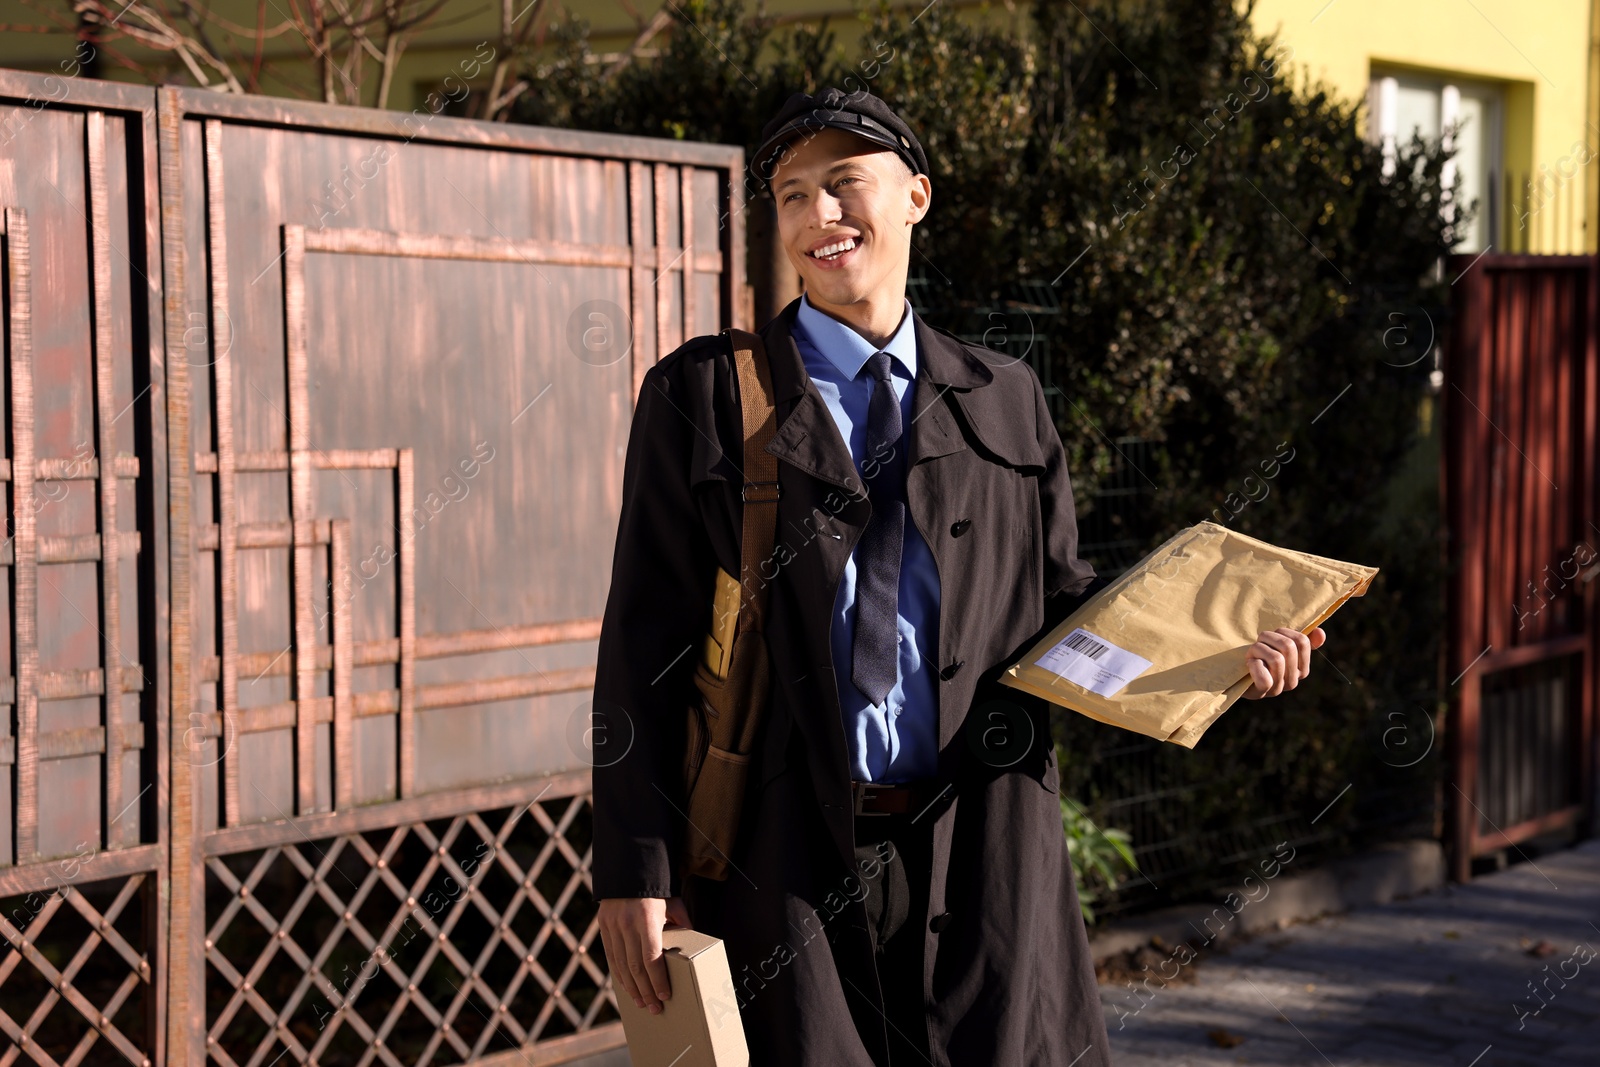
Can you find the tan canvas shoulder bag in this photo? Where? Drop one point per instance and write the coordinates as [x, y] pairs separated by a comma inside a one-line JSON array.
[[733, 674]]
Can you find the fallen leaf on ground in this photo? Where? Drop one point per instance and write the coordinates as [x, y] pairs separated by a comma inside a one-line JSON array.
[[1222, 1039], [1148, 966], [1543, 949]]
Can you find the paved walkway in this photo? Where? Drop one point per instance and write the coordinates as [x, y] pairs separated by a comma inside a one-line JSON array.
[[1442, 980]]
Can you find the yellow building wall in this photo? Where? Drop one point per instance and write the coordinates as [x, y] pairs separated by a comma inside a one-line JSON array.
[[1538, 51]]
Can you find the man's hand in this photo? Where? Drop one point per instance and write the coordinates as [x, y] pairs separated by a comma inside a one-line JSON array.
[[630, 930], [1279, 659]]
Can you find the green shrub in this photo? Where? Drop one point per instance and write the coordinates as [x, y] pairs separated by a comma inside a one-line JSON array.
[[1098, 856]]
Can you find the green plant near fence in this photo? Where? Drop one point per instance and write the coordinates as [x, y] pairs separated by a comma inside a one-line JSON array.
[[1099, 856]]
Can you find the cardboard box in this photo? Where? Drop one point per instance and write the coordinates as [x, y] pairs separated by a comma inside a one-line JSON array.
[[699, 1025]]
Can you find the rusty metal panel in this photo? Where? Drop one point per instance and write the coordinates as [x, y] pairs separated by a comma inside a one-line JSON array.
[[473, 363], [410, 352], [84, 635], [1519, 476], [315, 426], [72, 456]]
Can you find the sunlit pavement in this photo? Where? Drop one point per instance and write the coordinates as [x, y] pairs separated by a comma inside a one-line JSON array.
[[1497, 973]]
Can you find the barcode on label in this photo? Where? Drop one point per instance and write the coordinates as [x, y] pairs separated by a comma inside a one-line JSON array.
[[1093, 662], [1088, 646]]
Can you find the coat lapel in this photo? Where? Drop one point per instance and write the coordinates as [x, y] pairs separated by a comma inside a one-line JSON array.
[[943, 364], [821, 490], [807, 438]]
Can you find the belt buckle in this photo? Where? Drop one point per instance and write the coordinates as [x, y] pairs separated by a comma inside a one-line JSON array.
[[858, 795]]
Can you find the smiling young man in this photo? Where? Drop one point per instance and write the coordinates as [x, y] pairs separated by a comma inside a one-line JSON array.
[[900, 889]]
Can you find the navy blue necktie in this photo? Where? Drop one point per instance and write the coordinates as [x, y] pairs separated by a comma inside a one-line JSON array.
[[875, 648]]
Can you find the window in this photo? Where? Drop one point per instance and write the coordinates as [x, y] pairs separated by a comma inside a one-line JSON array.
[[1402, 104]]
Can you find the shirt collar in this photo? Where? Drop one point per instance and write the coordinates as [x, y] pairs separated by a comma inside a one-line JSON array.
[[848, 350]]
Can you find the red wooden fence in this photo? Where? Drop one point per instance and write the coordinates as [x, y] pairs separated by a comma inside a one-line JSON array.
[[1519, 480]]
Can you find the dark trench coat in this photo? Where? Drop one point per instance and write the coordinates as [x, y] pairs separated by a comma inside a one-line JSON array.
[[1008, 980]]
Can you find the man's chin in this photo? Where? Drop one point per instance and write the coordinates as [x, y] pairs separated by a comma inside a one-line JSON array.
[[835, 291]]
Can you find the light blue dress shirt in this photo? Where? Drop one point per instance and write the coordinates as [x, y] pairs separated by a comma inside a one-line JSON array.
[[897, 740]]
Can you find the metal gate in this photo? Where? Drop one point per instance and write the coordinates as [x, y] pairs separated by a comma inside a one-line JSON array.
[[315, 440], [1520, 467]]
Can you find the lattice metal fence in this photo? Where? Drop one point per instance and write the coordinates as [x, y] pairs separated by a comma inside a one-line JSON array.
[[421, 945], [76, 973]]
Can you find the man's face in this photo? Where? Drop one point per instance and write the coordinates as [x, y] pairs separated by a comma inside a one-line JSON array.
[[834, 189]]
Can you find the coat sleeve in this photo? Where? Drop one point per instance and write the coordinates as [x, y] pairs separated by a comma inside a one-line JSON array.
[[1068, 580], [655, 619]]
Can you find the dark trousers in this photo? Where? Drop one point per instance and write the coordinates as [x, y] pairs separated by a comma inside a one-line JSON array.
[[898, 850]]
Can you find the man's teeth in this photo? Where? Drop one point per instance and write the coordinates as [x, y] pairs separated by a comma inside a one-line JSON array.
[[830, 251]]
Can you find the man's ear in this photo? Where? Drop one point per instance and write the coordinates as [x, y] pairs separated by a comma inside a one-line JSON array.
[[921, 190]]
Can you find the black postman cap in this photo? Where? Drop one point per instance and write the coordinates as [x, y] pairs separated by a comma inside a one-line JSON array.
[[859, 113]]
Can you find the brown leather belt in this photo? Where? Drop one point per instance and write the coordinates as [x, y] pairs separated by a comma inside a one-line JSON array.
[[900, 798]]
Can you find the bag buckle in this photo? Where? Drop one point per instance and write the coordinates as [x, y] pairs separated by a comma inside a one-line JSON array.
[[761, 495]]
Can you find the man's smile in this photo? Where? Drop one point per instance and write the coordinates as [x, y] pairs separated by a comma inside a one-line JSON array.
[[835, 253]]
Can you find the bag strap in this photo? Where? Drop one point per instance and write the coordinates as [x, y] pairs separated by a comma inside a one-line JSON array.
[[760, 492]]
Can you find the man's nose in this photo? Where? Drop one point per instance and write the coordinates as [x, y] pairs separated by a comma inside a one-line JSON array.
[[825, 210]]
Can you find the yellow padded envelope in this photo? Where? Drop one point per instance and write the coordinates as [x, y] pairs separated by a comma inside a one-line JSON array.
[[1161, 651]]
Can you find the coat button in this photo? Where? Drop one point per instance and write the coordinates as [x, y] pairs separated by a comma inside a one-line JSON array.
[[959, 527], [939, 922], [949, 670]]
